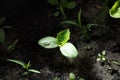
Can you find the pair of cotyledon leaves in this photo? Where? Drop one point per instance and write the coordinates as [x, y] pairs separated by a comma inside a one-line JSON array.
[[66, 48], [115, 10], [64, 3]]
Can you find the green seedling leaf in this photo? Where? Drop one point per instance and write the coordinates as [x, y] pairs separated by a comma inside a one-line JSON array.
[[117, 63], [115, 10], [98, 59], [63, 37], [79, 17], [48, 42], [2, 36], [18, 62], [71, 5], [90, 25], [63, 3], [103, 58], [28, 65], [53, 2], [57, 13], [103, 53], [72, 76], [81, 79], [25, 73], [69, 50], [99, 55], [2, 20], [12, 46], [56, 78], [34, 71], [70, 22]]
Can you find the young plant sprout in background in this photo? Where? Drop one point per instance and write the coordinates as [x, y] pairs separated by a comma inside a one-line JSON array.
[[81, 78], [72, 77], [101, 56], [84, 29], [62, 5], [115, 62], [115, 10], [61, 41], [24, 66], [56, 78], [12, 46]]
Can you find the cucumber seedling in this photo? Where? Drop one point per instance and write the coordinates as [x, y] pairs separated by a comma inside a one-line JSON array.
[[61, 41]]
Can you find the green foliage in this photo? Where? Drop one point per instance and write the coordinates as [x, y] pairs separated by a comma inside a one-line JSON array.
[[24, 65], [63, 37], [84, 29], [57, 13], [12, 46], [115, 10], [62, 5], [67, 49], [48, 42], [71, 5], [53, 2], [81, 78], [101, 56], [56, 78], [72, 76], [78, 23], [117, 63], [34, 71]]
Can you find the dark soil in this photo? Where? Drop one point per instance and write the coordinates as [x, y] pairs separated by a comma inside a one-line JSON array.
[[33, 19]]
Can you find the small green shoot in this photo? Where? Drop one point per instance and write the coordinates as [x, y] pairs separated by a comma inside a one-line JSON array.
[[24, 66], [117, 63], [61, 6], [66, 48], [12, 46], [72, 76], [63, 37], [115, 10], [101, 57], [84, 29], [81, 78], [48, 42], [56, 78]]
